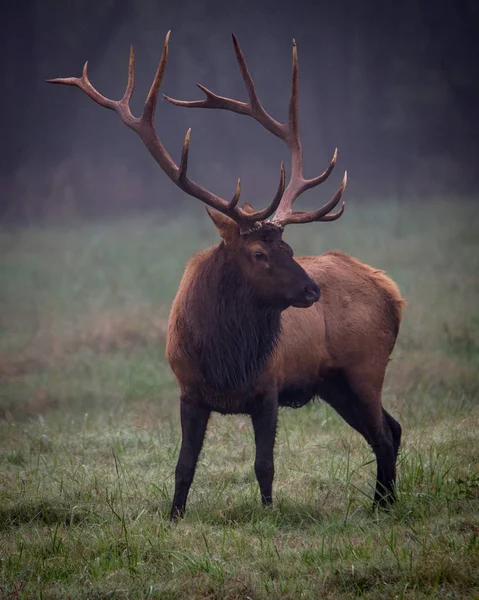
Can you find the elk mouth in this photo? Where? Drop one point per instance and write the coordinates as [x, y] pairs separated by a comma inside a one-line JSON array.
[[304, 304], [310, 296]]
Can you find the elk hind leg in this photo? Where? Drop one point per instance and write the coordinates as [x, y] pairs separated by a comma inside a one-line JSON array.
[[395, 428], [360, 406]]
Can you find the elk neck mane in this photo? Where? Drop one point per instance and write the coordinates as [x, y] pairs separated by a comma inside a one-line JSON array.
[[226, 332]]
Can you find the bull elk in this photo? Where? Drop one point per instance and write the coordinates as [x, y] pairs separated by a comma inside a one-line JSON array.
[[247, 332]]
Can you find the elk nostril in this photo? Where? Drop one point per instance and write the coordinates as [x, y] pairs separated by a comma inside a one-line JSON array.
[[312, 292]]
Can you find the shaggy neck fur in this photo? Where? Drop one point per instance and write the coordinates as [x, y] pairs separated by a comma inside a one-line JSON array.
[[229, 333]]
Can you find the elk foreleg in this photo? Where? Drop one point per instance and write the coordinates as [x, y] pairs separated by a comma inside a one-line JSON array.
[[265, 419], [193, 428]]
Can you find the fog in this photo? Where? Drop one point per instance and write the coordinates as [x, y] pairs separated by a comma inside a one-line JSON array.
[[393, 85]]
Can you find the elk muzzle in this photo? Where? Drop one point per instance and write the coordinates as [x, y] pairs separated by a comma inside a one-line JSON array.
[[309, 295]]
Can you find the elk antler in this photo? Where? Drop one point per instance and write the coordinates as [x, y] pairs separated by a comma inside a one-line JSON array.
[[145, 128], [289, 133]]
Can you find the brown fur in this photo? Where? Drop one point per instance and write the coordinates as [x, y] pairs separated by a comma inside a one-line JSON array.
[[360, 308], [235, 348]]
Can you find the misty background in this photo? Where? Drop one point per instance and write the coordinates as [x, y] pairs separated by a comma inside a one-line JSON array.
[[394, 85]]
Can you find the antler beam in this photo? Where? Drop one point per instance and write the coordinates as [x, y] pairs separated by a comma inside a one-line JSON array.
[[145, 128], [289, 133]]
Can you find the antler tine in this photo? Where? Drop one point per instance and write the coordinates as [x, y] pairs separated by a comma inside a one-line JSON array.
[[253, 108], [310, 183], [322, 213], [336, 215], [184, 156], [298, 185], [235, 199], [261, 215], [256, 108], [294, 140], [131, 78], [248, 80], [84, 84], [152, 98], [212, 100]]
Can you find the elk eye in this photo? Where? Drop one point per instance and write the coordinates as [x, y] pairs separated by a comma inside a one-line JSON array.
[[259, 255]]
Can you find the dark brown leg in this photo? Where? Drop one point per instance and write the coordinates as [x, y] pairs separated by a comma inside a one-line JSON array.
[[265, 419], [362, 409], [396, 430], [193, 428]]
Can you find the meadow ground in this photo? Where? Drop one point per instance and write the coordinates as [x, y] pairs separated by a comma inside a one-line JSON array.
[[89, 428]]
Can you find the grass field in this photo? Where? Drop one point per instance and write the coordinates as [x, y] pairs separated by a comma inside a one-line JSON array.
[[89, 427]]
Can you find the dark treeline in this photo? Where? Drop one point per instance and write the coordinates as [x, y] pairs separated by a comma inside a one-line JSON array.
[[393, 84]]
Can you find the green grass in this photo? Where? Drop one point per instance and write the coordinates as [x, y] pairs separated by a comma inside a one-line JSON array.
[[89, 428]]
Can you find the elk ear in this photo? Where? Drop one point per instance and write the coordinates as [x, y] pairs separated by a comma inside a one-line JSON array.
[[248, 208], [227, 228]]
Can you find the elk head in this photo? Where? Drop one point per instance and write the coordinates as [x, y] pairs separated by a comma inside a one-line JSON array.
[[251, 237], [266, 263]]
